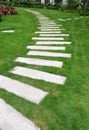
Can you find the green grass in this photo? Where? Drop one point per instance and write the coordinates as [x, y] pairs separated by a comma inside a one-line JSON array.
[[66, 107]]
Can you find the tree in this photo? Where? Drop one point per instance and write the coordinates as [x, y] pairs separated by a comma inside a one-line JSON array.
[[73, 4], [84, 4]]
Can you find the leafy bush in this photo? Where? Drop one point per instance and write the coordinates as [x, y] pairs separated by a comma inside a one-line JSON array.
[[83, 12], [7, 10], [73, 4], [53, 6], [37, 5]]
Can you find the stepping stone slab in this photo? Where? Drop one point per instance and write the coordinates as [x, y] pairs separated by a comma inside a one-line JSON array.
[[69, 19], [47, 35], [47, 38], [49, 29], [62, 19], [52, 54], [40, 75], [47, 22], [23, 90], [43, 18], [47, 25], [11, 119], [46, 47], [40, 62], [57, 32], [76, 18], [8, 31], [51, 43]]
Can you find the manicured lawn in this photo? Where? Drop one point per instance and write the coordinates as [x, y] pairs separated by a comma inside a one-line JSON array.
[[66, 107]]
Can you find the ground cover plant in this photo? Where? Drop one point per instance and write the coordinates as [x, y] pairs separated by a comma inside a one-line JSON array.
[[67, 106]]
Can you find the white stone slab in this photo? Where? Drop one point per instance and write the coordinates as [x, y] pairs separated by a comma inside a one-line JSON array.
[[23, 90], [51, 43], [47, 38], [40, 62], [69, 19], [8, 31], [76, 18], [46, 32], [62, 19], [40, 19], [47, 27], [54, 29], [47, 22], [47, 35], [40, 75], [82, 17], [43, 18], [46, 47], [52, 54], [11, 119]]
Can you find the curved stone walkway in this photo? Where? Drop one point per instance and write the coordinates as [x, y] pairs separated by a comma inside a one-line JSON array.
[[49, 36]]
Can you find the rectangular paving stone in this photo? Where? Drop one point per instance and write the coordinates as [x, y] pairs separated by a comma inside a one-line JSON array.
[[47, 22], [48, 25], [40, 62], [40, 75], [49, 29], [11, 119], [52, 54], [46, 47], [62, 19], [23, 90], [43, 18], [69, 19], [47, 35], [47, 38], [51, 43], [46, 32]]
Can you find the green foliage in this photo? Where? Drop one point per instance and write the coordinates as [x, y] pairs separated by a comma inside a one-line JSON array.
[[73, 4], [37, 4], [85, 4], [55, 6], [83, 12]]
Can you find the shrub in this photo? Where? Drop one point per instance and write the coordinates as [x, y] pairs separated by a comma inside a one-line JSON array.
[[37, 5], [72, 4], [7, 10], [83, 12], [53, 6]]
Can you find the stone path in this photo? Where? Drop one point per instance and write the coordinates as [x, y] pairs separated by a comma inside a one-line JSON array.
[[49, 54], [50, 34], [40, 75], [10, 119], [69, 19], [7, 31], [23, 90], [46, 32], [44, 35], [46, 47], [40, 62], [52, 42], [47, 38]]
